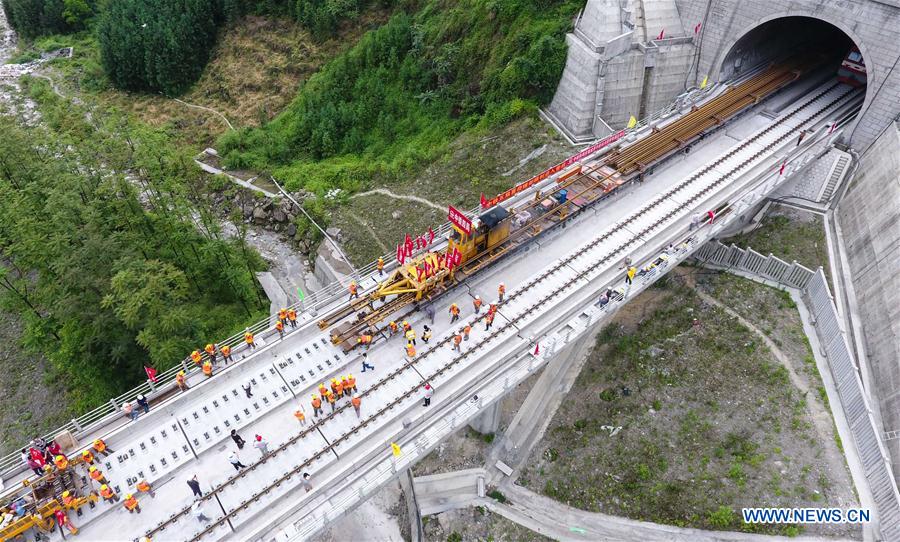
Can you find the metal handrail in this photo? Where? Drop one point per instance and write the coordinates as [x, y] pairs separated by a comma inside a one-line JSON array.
[[105, 413]]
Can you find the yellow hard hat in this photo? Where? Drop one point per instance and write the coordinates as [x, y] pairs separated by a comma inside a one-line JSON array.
[[180, 373], [314, 396], [128, 496], [104, 486], [349, 375], [65, 493], [92, 469], [405, 323], [334, 379], [85, 452]]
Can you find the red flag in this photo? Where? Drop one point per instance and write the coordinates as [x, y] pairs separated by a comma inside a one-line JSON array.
[[537, 348], [697, 28], [662, 34], [483, 201], [833, 126], [151, 374], [783, 164]]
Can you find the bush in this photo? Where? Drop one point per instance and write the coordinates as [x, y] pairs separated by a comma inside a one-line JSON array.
[[721, 518], [31, 18]]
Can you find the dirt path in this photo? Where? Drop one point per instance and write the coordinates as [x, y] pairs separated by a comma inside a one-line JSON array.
[[230, 127], [388, 193], [371, 230]]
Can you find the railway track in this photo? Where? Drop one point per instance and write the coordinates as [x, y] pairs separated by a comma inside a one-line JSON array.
[[766, 139]]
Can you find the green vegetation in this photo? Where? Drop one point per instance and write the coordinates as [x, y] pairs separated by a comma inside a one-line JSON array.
[[32, 18], [406, 89], [790, 235], [112, 272], [156, 46]]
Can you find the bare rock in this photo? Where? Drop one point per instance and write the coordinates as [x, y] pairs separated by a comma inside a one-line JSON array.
[[334, 233], [279, 216], [395, 215], [259, 215], [291, 230]]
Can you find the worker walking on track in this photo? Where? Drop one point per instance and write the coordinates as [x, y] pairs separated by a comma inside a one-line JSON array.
[[466, 331], [292, 318], [144, 487], [317, 405], [454, 313], [501, 291], [331, 399], [336, 388], [457, 340], [108, 494], [356, 402], [279, 326], [354, 290], [249, 339], [211, 352], [100, 447], [180, 381], [477, 304], [62, 519], [131, 504], [488, 321], [411, 336], [380, 266], [323, 391], [410, 350], [226, 353], [301, 417], [426, 334], [97, 475]]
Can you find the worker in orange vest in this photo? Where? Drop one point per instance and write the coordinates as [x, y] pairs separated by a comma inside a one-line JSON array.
[[180, 381], [61, 462], [492, 308], [454, 313], [282, 314], [301, 417], [501, 291], [207, 368], [226, 353], [248, 338], [356, 401], [63, 520], [477, 304], [345, 385], [97, 475], [466, 331], [393, 327], [457, 339], [354, 290], [331, 399], [144, 487], [406, 326], [410, 350], [323, 391], [380, 266], [100, 447], [411, 336], [317, 405], [292, 317], [197, 357], [87, 457], [131, 504], [488, 321], [71, 502], [365, 340], [211, 352], [337, 388], [351, 383], [279, 325], [108, 494]]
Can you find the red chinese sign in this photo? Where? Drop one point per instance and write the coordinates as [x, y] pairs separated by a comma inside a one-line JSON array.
[[487, 203], [433, 263], [410, 245], [459, 220]]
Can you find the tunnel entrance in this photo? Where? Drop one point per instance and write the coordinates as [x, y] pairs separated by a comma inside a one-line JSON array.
[[783, 37]]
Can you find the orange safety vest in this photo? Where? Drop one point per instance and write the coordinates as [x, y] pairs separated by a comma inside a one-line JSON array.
[[353, 287], [61, 462], [292, 315], [457, 338], [345, 383], [106, 493], [279, 325], [338, 388], [355, 402], [351, 382], [454, 309], [467, 330], [393, 326], [248, 337], [380, 264], [144, 486], [322, 389], [490, 318], [300, 416], [477, 304], [179, 378], [226, 350], [131, 503], [68, 500], [96, 474], [87, 456], [493, 308], [330, 397], [196, 356], [501, 289], [316, 403], [207, 368], [210, 349], [410, 350], [365, 339], [282, 314]]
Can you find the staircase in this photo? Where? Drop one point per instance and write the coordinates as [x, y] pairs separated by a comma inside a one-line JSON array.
[[835, 176]]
